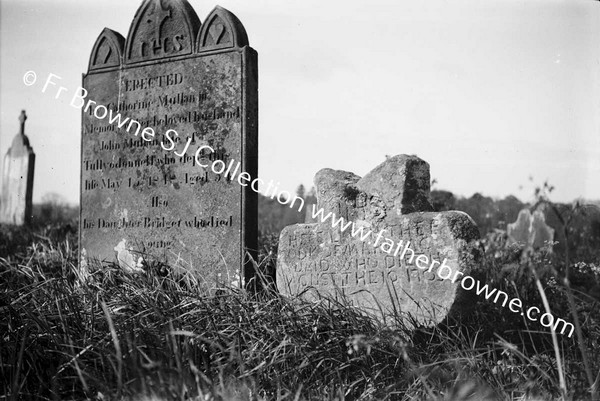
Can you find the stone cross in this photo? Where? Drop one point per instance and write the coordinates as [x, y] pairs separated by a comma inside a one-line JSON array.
[[179, 104], [400, 264], [22, 119], [17, 179]]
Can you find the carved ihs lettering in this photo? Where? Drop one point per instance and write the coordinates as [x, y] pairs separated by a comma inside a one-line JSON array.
[[158, 44]]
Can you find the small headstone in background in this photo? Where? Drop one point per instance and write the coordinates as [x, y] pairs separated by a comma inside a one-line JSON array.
[[530, 230], [392, 197], [17, 179], [518, 232]]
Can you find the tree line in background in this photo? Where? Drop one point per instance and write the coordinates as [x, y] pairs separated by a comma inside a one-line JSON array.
[[490, 215]]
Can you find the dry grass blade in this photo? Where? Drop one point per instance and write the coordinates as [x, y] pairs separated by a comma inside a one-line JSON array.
[[115, 339]]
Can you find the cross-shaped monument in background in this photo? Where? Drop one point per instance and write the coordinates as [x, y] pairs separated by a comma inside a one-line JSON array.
[[17, 179]]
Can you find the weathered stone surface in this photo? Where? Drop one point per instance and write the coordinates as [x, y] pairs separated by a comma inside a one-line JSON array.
[[308, 217], [17, 179], [403, 182], [333, 185], [530, 230], [380, 274], [191, 86]]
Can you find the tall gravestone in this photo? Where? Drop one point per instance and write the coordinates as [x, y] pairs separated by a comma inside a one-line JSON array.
[[381, 274], [149, 191], [17, 180]]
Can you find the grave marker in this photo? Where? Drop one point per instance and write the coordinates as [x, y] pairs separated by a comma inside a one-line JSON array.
[[530, 230], [17, 180], [142, 191], [375, 274]]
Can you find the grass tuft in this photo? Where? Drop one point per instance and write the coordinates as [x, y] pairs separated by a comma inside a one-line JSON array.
[[107, 335]]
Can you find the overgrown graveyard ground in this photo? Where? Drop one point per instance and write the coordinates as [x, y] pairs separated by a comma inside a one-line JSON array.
[[66, 334]]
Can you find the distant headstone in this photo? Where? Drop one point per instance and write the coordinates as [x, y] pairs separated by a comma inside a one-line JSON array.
[[530, 230], [151, 189], [394, 271], [17, 180], [518, 232]]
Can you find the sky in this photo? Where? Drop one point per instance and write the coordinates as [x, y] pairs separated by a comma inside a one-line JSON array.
[[497, 96]]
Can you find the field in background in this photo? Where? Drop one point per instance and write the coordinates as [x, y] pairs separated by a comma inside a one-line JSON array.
[[103, 334]]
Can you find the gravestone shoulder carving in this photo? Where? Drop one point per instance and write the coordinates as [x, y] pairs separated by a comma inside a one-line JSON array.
[[107, 52], [221, 30]]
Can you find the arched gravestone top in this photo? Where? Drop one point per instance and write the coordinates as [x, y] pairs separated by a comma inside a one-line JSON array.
[[161, 29], [157, 32], [221, 30], [107, 52]]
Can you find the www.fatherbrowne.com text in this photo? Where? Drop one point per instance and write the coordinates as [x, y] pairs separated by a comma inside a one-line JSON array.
[[169, 143]]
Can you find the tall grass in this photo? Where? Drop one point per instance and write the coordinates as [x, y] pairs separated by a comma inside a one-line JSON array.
[[109, 335]]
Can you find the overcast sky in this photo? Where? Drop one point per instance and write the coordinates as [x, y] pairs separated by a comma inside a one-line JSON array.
[[488, 92]]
